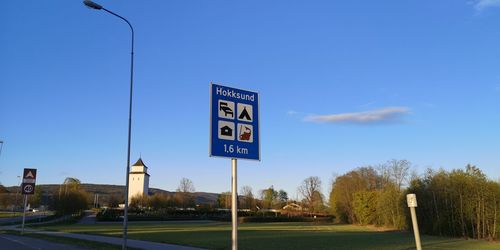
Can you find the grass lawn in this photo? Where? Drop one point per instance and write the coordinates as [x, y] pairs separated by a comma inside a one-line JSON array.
[[4, 214], [217, 235]]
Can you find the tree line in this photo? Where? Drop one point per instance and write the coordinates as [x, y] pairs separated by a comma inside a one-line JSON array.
[[461, 203]]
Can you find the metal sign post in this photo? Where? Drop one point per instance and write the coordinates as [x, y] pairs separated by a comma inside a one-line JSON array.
[[411, 199], [234, 133], [25, 204], [234, 204], [27, 188]]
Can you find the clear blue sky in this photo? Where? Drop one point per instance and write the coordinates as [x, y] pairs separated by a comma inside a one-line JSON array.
[[343, 84]]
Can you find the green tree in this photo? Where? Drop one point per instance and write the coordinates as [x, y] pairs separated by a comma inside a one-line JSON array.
[[458, 203], [269, 197], [224, 200], [282, 198], [365, 207], [35, 199], [70, 199]]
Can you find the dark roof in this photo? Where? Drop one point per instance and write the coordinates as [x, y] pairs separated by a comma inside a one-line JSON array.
[[139, 163], [140, 173]]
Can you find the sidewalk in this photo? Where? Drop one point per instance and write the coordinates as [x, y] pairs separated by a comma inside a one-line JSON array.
[[111, 240]]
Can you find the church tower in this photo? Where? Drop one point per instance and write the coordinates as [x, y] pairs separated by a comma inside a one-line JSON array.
[[138, 180]]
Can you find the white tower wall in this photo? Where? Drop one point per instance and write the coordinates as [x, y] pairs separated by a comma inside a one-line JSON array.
[[138, 180]]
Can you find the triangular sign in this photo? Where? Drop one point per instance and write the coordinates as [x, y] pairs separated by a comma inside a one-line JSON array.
[[29, 175]]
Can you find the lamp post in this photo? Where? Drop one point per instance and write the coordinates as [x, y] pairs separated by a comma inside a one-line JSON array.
[[96, 6]]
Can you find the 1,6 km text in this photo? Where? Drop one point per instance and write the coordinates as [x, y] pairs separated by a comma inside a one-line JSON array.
[[232, 148]]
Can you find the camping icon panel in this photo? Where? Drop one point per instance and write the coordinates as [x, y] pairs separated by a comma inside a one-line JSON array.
[[226, 130], [245, 112], [245, 132], [226, 109]]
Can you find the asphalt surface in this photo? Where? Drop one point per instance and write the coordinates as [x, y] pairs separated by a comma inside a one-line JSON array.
[[16, 242]]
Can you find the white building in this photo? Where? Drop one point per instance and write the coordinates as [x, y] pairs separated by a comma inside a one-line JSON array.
[[138, 180]]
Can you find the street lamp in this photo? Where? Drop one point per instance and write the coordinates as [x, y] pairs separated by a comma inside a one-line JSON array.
[[96, 6]]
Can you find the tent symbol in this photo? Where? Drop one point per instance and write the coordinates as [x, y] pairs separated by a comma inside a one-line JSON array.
[[244, 115]]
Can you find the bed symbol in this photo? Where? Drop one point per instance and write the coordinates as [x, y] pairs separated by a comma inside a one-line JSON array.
[[224, 107]]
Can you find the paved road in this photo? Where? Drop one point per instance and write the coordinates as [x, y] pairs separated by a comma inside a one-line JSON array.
[[16, 242], [89, 218]]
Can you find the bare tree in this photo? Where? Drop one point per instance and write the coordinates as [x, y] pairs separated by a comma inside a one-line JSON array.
[[186, 186], [309, 189], [399, 171], [184, 192], [248, 198]]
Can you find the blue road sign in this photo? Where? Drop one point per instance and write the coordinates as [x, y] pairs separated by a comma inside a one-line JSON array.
[[234, 123]]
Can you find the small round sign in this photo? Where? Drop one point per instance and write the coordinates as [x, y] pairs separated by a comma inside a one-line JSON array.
[[28, 188]]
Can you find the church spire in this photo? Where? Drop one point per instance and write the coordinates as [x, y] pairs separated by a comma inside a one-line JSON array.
[[139, 163]]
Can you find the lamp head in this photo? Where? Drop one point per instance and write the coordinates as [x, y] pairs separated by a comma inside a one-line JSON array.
[[92, 5]]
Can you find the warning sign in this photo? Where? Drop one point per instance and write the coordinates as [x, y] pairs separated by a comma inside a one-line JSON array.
[[29, 179]]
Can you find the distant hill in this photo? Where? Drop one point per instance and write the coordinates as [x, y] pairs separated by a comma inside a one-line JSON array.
[[106, 191]]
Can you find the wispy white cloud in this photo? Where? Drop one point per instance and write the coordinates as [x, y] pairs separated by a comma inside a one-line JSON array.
[[292, 112], [484, 4], [384, 115]]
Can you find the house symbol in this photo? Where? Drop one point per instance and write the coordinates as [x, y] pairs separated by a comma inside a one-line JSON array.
[[226, 130]]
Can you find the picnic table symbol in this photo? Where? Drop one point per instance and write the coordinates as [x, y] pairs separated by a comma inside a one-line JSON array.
[[245, 134]]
